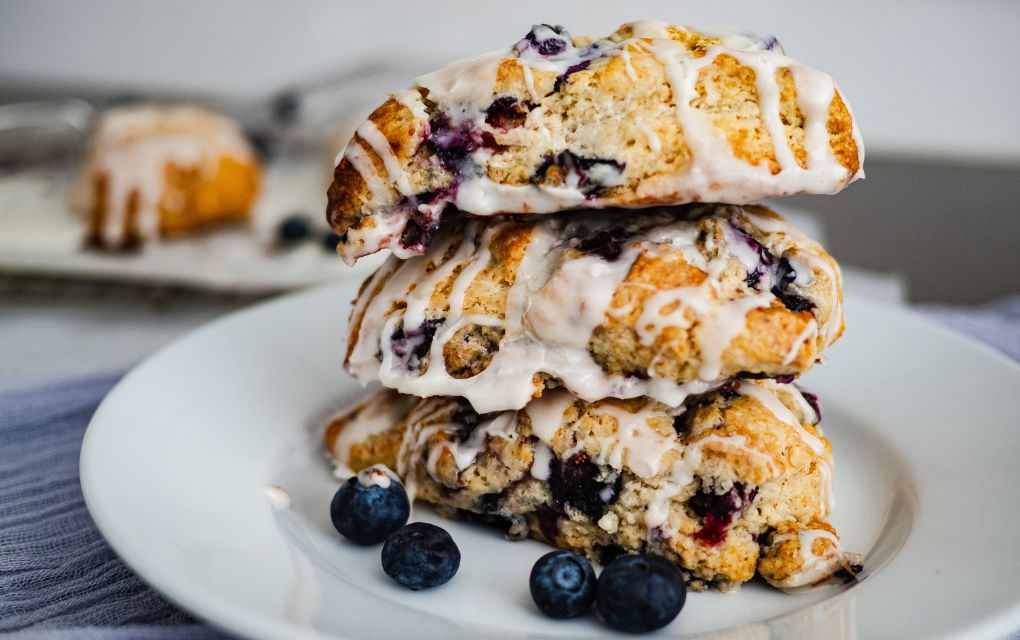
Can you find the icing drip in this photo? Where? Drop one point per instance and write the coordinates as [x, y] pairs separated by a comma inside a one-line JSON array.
[[375, 139], [567, 309], [635, 444], [377, 475], [653, 139], [770, 400], [546, 413], [412, 100], [809, 332], [374, 415], [377, 188], [814, 568], [541, 465]]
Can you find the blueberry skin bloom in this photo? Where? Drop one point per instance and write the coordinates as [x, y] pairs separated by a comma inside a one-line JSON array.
[[640, 593], [421, 556], [366, 511], [563, 584]]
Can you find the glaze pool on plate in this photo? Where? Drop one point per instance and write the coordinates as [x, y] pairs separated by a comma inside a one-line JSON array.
[[923, 425]]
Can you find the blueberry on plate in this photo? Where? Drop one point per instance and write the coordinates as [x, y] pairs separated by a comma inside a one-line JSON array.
[[563, 584], [370, 506], [329, 241], [293, 229], [640, 593], [420, 556]]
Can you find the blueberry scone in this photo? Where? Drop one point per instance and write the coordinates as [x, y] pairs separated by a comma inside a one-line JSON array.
[[737, 481], [651, 115], [153, 172], [663, 302]]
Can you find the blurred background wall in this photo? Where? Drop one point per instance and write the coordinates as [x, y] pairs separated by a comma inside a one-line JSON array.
[[934, 85]]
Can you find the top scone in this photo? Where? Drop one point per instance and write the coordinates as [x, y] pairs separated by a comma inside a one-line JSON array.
[[653, 114]]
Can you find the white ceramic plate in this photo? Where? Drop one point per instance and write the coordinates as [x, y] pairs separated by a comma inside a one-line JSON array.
[[924, 425]]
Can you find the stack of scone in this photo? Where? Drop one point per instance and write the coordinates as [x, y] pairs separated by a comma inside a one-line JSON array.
[[571, 344]]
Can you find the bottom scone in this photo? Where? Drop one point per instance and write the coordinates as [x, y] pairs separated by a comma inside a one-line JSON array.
[[738, 481]]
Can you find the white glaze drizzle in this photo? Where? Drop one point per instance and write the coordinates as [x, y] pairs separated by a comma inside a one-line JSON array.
[[653, 139], [378, 189], [529, 81], [634, 445], [464, 90], [628, 66], [375, 138], [378, 475], [770, 400], [541, 464], [546, 413], [813, 568], [807, 261], [552, 310], [809, 331], [134, 146], [411, 99], [372, 416]]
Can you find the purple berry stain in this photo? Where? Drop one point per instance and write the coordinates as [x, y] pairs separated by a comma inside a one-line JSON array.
[[575, 482], [410, 346], [544, 41], [505, 113], [718, 510], [812, 400], [785, 275], [588, 175]]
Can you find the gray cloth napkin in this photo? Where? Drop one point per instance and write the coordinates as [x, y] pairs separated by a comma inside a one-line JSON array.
[[58, 577]]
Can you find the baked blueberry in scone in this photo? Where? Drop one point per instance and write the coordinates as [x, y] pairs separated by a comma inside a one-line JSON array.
[[735, 482], [661, 302], [651, 115]]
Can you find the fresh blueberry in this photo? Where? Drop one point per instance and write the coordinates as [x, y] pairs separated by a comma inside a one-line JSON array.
[[640, 593], [264, 143], [563, 584], [286, 107], [293, 229], [330, 241], [420, 556], [370, 506]]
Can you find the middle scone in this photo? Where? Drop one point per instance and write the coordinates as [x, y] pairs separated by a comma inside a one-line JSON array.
[[665, 302]]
